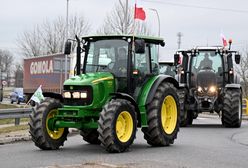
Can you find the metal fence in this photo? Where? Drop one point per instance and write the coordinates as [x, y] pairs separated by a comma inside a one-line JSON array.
[[16, 114]]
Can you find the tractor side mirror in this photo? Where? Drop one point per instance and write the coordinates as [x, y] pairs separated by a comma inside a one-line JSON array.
[[237, 58], [67, 50], [140, 46], [176, 59]]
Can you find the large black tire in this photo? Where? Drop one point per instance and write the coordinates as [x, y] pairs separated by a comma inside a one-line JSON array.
[[155, 134], [190, 117], [43, 137], [183, 112], [187, 119], [186, 116], [90, 136], [109, 125], [232, 109]]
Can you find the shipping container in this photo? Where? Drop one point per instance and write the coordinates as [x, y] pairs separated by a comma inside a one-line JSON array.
[[47, 71]]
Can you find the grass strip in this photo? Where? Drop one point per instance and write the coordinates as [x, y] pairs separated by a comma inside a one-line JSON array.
[[13, 128]]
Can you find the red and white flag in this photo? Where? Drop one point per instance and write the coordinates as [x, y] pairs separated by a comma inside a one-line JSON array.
[[223, 40], [139, 13]]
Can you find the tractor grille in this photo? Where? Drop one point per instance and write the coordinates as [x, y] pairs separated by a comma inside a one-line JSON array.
[[81, 101]]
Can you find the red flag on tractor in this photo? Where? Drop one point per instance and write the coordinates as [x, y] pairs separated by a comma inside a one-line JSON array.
[[139, 13], [223, 40]]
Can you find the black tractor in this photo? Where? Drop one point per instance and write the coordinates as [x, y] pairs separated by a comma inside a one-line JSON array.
[[209, 84]]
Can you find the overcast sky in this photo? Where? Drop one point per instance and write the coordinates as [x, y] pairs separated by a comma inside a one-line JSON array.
[[200, 21]]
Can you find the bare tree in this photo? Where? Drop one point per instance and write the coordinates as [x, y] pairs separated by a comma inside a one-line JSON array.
[[18, 75], [6, 61], [242, 71], [30, 42], [115, 21], [49, 37]]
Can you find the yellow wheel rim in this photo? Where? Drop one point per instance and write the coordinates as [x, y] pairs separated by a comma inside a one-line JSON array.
[[169, 114], [54, 134], [124, 126]]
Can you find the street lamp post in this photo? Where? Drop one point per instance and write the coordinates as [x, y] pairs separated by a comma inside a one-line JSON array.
[[155, 10], [1, 86], [66, 36]]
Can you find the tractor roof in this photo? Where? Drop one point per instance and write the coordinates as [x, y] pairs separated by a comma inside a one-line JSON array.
[[208, 48], [203, 48], [148, 39]]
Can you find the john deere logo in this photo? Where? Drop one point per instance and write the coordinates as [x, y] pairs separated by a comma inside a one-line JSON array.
[[71, 87]]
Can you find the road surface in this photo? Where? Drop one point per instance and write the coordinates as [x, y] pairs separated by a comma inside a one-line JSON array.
[[205, 144]]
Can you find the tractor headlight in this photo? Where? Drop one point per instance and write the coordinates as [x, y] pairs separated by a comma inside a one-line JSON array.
[[83, 95], [212, 89], [67, 95], [76, 95], [199, 89]]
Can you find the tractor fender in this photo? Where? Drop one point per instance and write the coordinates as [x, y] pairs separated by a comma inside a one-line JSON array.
[[54, 95], [233, 86], [157, 82], [129, 98]]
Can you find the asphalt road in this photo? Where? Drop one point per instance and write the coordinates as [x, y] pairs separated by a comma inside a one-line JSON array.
[[205, 144]]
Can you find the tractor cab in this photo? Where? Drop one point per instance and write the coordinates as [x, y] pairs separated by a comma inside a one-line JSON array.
[[206, 69], [116, 57]]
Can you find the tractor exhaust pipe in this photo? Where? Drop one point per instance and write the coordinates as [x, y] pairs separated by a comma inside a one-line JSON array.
[[78, 64]]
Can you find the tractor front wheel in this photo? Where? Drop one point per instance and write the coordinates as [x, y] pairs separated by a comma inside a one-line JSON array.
[[163, 116], [117, 125], [232, 109], [42, 136]]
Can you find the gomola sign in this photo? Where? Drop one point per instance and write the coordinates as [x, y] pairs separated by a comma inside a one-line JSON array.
[[41, 67]]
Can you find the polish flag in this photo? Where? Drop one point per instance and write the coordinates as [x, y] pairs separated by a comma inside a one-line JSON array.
[[139, 13], [223, 40]]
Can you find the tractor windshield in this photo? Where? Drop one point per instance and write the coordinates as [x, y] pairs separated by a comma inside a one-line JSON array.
[[108, 56], [206, 60]]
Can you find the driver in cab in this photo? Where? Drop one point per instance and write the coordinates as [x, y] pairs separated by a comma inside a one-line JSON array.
[[120, 66], [206, 63]]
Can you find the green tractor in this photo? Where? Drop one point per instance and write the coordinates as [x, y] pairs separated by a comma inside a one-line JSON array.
[[117, 89], [210, 84]]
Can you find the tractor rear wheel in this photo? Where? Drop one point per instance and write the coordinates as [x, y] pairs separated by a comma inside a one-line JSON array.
[[163, 116], [117, 125], [232, 109], [183, 112], [42, 136], [90, 136]]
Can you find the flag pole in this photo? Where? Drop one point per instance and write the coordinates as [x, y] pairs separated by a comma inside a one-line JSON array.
[[27, 103], [134, 22]]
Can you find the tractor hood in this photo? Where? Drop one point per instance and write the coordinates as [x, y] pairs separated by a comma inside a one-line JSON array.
[[206, 78], [91, 89], [206, 83], [89, 79]]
